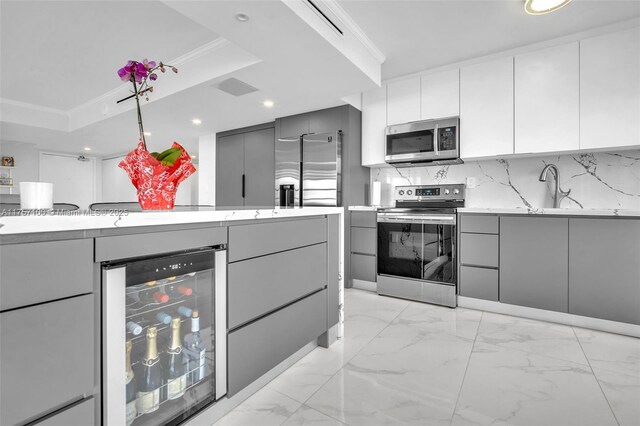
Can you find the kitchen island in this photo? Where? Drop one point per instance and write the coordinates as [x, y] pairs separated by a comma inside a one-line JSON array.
[[282, 297]]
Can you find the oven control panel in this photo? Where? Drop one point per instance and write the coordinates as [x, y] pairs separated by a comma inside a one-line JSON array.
[[430, 192]]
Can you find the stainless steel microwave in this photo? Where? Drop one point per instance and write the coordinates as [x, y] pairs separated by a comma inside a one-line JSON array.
[[429, 141]]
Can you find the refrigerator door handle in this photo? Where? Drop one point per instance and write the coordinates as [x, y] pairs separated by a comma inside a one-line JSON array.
[[113, 344]]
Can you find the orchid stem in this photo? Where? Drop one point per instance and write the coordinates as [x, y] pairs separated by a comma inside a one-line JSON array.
[[135, 89]]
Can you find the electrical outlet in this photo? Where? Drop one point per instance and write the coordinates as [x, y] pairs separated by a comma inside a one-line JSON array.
[[471, 182]]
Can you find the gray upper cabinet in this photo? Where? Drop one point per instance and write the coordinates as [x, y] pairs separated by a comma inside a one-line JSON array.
[[259, 167], [245, 173], [229, 171], [534, 262], [326, 120], [604, 269]]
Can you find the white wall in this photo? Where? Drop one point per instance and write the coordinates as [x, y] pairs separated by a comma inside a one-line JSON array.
[[25, 157], [207, 170]]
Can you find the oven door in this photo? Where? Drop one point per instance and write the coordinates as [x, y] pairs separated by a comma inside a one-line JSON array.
[[417, 246]]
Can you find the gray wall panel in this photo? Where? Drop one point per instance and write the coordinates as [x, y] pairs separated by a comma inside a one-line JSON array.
[[262, 284], [604, 269], [259, 168], [229, 170], [260, 346], [38, 272]]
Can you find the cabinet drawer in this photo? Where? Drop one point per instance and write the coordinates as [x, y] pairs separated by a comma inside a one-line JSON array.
[[479, 250], [364, 219], [260, 346], [363, 267], [128, 246], [262, 284], [247, 241], [363, 240], [482, 224], [39, 272], [46, 357], [83, 414], [480, 283]]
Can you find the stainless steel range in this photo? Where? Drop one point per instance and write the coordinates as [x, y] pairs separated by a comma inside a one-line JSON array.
[[417, 244]]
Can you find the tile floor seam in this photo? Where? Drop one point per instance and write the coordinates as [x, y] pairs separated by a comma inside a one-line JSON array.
[[464, 376], [342, 368], [596, 377]]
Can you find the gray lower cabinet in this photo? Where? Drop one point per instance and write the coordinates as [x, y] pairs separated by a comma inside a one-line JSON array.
[[46, 358], [259, 346], [604, 269], [363, 240], [363, 267], [82, 414], [245, 168], [363, 246], [534, 262], [262, 284], [479, 283], [479, 250]]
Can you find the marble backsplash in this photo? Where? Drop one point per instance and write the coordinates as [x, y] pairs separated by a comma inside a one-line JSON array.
[[602, 180]]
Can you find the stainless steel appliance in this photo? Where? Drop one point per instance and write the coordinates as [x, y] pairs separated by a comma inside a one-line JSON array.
[[308, 170], [417, 244], [170, 313], [429, 141]]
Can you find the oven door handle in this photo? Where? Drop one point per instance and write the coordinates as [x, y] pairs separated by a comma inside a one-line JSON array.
[[444, 219]]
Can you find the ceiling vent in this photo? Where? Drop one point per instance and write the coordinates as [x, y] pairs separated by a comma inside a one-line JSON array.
[[235, 87], [324, 16]]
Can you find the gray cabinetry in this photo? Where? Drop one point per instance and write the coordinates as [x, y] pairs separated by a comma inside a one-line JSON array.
[[294, 125], [82, 414], [261, 345], [46, 358], [363, 246], [245, 167], [534, 262], [479, 254], [604, 269]]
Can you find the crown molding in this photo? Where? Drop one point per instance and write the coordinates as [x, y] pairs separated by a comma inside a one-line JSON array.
[[34, 107]]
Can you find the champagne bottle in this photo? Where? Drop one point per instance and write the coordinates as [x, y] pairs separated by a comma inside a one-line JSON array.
[[174, 364], [152, 376], [132, 409], [194, 350]]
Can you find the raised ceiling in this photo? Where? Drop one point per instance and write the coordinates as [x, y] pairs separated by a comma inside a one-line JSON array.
[[417, 35]]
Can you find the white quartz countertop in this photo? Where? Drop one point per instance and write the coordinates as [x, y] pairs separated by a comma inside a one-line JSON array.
[[363, 208], [84, 220], [551, 211]]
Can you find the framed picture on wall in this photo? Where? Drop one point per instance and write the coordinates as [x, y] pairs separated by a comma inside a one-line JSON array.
[[6, 181], [8, 161]]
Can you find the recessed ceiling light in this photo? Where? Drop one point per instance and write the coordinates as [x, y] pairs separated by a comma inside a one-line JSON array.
[[540, 7], [147, 133], [268, 104], [196, 121], [86, 148], [242, 17]]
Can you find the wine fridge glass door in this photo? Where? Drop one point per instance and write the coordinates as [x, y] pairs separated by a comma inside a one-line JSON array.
[[164, 337]]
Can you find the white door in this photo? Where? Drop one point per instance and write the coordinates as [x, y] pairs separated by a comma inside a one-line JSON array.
[[73, 180], [440, 95], [403, 101]]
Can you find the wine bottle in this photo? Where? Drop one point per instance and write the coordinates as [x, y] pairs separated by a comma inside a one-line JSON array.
[[174, 364], [152, 376], [134, 328], [194, 351], [184, 311], [132, 409], [149, 296], [177, 290], [163, 317]]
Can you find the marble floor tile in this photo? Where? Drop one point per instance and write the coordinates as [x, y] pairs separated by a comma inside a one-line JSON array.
[[403, 376], [460, 321], [609, 351], [308, 416], [265, 408], [542, 338], [623, 393], [504, 386]]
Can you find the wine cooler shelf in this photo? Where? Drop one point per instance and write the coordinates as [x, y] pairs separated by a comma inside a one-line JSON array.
[[166, 356]]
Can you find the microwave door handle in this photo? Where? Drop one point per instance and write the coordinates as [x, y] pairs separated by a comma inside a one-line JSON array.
[[435, 140]]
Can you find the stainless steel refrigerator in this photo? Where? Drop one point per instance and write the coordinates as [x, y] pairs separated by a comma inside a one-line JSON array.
[[308, 170]]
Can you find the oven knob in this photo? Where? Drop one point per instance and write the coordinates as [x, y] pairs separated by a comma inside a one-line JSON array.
[[446, 192], [409, 192], [401, 192], [456, 191]]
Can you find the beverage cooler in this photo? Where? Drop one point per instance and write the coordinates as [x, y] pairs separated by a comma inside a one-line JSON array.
[[163, 336]]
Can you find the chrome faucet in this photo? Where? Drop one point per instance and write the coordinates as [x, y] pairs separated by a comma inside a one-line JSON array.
[[559, 193]]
